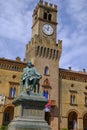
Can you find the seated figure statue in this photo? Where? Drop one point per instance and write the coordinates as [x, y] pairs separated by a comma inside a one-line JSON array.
[[30, 77]]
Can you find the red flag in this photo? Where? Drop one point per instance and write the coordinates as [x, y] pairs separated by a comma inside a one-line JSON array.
[[48, 106]]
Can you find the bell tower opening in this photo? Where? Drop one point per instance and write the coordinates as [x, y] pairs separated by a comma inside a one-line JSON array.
[[44, 14]]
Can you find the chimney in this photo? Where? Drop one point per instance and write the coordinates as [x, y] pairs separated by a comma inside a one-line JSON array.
[[18, 59], [84, 70], [70, 68]]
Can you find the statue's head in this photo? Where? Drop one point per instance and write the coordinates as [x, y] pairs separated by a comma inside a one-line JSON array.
[[29, 64]]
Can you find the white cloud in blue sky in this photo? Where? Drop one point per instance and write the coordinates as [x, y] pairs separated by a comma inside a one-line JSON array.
[[73, 32], [16, 22]]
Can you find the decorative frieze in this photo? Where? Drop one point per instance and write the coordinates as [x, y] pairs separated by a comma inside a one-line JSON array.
[[11, 65], [72, 75]]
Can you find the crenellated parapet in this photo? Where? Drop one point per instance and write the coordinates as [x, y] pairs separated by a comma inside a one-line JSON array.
[[48, 5], [44, 41], [45, 5], [59, 48], [44, 47], [60, 44]]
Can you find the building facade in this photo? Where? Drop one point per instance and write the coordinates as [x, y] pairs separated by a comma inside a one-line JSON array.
[[73, 99], [65, 89]]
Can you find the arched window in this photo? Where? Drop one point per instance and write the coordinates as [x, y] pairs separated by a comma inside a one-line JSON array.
[[45, 94], [47, 16], [46, 71]]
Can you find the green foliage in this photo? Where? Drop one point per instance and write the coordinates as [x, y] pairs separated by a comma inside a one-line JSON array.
[[5, 127]]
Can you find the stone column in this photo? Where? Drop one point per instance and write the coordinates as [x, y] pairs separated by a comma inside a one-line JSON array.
[[80, 124]]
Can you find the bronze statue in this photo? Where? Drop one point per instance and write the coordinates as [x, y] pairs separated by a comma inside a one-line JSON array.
[[30, 77]]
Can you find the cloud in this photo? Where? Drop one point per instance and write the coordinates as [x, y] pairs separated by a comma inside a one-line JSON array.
[[15, 27], [16, 23], [73, 31], [14, 20]]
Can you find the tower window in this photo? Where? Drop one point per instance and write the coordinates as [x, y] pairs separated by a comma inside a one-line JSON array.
[[49, 17], [45, 15], [46, 71]]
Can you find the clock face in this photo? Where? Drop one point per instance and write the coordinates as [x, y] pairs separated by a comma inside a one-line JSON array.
[[47, 29]]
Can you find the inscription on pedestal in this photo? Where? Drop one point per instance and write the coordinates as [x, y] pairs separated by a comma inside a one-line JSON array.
[[28, 112]]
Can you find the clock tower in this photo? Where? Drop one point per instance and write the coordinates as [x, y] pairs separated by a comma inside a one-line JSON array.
[[44, 20], [44, 52]]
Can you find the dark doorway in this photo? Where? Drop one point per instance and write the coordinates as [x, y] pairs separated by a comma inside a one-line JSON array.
[[72, 117], [8, 115], [47, 117], [85, 122]]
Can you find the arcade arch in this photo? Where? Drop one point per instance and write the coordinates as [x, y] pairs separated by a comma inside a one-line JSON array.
[[85, 121], [72, 120], [8, 114]]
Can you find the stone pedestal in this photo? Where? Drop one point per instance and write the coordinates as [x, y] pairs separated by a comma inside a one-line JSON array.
[[29, 113]]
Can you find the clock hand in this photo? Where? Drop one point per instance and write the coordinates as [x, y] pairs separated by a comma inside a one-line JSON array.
[[48, 28]]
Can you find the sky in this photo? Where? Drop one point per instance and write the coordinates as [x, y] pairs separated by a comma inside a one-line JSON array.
[[16, 23]]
